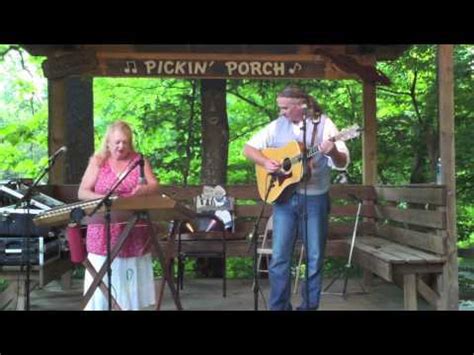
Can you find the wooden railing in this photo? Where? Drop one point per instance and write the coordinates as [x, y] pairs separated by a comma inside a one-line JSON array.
[[248, 206]]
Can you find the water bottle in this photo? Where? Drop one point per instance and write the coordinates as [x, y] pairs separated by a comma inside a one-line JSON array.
[[439, 172], [76, 241]]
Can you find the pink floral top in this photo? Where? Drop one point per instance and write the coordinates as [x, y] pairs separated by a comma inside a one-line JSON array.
[[136, 243]]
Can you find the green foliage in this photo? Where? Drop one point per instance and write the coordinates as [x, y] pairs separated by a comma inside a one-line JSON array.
[[165, 114], [239, 268], [465, 226], [23, 116], [407, 118]]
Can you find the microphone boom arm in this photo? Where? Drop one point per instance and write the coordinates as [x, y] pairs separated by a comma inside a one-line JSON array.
[[114, 187], [29, 192]]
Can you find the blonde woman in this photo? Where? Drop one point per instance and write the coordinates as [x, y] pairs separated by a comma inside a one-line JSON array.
[[132, 273]]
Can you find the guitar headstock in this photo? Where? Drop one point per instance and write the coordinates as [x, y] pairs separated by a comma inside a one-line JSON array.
[[348, 133]]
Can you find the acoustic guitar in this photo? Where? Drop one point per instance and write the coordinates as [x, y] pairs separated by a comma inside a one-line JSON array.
[[292, 171]]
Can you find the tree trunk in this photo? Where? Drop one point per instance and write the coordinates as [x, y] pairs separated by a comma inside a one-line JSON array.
[[215, 146], [215, 132]]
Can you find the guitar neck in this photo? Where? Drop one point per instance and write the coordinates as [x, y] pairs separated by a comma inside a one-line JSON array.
[[346, 134], [310, 153]]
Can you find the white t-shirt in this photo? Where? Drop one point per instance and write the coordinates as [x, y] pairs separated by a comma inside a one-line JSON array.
[[281, 131]]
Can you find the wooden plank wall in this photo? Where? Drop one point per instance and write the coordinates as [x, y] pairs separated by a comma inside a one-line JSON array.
[[410, 215]]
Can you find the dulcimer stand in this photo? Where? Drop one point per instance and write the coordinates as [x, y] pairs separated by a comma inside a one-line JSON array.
[[147, 209]]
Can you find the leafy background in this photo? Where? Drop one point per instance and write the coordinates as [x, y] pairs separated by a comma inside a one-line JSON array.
[[160, 112]]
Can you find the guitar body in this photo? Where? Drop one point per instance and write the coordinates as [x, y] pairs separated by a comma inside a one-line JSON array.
[[292, 170], [290, 174]]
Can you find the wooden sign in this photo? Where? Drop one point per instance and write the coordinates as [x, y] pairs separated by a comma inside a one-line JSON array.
[[207, 66], [224, 69]]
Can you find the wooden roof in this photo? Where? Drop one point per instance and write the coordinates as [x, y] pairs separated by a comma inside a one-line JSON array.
[[219, 61]]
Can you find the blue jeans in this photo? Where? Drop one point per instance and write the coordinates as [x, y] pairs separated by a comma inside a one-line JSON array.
[[287, 221]]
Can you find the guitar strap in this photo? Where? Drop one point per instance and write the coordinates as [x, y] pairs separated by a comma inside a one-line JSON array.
[[315, 128], [313, 137]]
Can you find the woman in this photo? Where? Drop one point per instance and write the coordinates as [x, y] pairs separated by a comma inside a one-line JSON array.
[[132, 272]]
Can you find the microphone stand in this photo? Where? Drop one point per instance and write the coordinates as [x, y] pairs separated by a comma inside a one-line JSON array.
[[26, 199], [253, 243], [29, 192], [304, 161], [107, 202]]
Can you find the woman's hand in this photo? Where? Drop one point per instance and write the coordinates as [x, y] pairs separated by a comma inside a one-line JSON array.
[[139, 190]]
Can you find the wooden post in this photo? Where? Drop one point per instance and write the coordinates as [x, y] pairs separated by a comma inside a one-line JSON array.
[[369, 142], [214, 131], [215, 147], [369, 149], [71, 125], [449, 287], [56, 124], [409, 292]]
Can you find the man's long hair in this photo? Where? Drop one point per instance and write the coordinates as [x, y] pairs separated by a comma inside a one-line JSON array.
[[294, 92]]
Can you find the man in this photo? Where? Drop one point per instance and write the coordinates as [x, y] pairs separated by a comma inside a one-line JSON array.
[[294, 104]]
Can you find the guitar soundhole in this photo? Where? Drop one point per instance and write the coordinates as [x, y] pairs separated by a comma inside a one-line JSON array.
[[286, 166]]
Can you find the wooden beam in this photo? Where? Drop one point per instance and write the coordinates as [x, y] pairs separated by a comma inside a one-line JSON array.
[[70, 124], [373, 264], [241, 248], [421, 287], [74, 63], [349, 64], [401, 269], [424, 218], [435, 243], [428, 294], [369, 142], [447, 153], [432, 195], [409, 292], [351, 210], [214, 132], [250, 192], [56, 127], [369, 149]]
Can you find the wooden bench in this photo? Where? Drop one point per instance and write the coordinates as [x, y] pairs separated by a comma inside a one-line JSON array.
[[248, 206], [408, 246]]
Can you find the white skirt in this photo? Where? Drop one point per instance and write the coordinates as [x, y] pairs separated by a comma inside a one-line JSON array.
[[133, 285]]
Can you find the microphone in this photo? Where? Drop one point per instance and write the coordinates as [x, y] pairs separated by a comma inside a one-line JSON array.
[[142, 179], [61, 150]]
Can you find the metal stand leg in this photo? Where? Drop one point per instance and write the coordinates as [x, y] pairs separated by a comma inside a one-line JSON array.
[[298, 268], [345, 272]]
